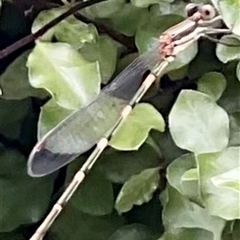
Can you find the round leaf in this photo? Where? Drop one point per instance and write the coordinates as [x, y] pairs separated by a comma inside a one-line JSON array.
[[236, 232], [105, 9], [74, 224], [238, 71], [133, 232], [180, 213], [176, 171], [228, 53], [230, 11], [190, 175], [11, 121], [135, 129], [95, 196], [14, 81], [198, 124], [69, 30], [222, 202], [127, 19], [146, 3], [205, 60], [230, 179], [63, 72], [105, 52], [119, 166], [168, 148], [234, 129], [230, 99], [187, 234], [137, 190], [213, 84], [152, 29], [19, 197], [51, 114], [169, 7]]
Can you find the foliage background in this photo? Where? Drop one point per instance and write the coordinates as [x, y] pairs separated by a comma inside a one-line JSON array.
[[173, 169]]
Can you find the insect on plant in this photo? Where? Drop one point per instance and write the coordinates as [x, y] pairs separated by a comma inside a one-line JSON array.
[[120, 96]]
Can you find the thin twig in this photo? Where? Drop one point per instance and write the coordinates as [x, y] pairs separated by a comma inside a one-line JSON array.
[[121, 38], [32, 37], [221, 42]]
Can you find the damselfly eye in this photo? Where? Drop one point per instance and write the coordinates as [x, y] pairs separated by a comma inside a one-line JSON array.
[[191, 8], [207, 12]]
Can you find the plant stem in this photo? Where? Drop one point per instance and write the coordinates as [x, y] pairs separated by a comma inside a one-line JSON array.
[[34, 36]]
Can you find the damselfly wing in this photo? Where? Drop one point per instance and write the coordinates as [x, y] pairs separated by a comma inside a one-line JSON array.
[[83, 128]]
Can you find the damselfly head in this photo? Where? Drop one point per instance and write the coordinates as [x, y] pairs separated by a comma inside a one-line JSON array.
[[207, 12], [191, 8]]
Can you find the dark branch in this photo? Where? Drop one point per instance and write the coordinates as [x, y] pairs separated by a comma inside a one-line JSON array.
[[32, 37], [121, 38]]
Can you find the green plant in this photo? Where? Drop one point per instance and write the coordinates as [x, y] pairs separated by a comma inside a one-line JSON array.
[[164, 176]]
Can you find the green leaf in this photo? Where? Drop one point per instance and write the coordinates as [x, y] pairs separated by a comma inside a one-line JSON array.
[[169, 7], [238, 71], [74, 224], [69, 30], [187, 234], [12, 235], [51, 114], [146, 3], [222, 202], [230, 179], [135, 129], [119, 166], [137, 190], [228, 53], [62, 72], [14, 81], [190, 175], [105, 52], [198, 124], [133, 232], [179, 73], [127, 19], [230, 11], [95, 196], [180, 213], [236, 232], [205, 60], [168, 148], [183, 57], [175, 172], [13, 114], [230, 99], [151, 28], [213, 84], [234, 129], [18, 189], [104, 9]]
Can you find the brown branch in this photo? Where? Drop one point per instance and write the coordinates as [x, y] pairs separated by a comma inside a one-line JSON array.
[[32, 37], [121, 38]]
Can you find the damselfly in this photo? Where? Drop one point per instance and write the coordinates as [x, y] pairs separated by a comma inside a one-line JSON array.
[[67, 140]]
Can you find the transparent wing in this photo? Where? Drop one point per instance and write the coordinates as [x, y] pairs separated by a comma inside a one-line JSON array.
[[82, 129]]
